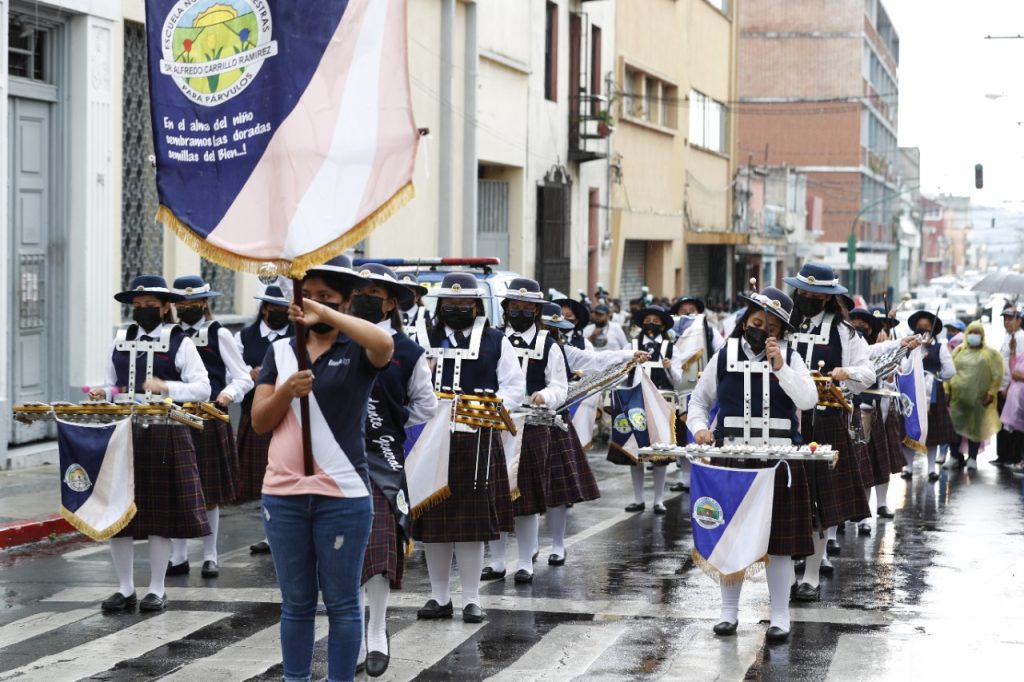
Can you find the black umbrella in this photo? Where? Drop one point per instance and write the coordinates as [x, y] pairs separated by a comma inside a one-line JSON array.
[[1011, 283]]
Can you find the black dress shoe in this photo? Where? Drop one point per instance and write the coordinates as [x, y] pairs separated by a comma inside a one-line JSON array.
[[863, 528], [119, 602], [210, 569], [555, 560], [151, 602], [636, 507], [377, 661], [826, 566], [678, 487], [776, 635], [472, 613], [832, 548], [807, 593], [177, 569], [260, 547], [660, 509], [725, 629], [886, 513], [434, 611], [490, 574], [523, 577], [906, 475], [932, 477]]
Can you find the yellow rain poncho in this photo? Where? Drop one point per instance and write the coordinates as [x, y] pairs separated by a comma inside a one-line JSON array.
[[979, 371]]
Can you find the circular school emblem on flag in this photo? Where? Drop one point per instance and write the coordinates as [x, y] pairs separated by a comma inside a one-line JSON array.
[[708, 513], [213, 49], [77, 479], [622, 424], [401, 503], [638, 418]]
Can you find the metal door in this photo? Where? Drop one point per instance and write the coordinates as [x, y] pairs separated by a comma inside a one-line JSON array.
[[492, 220], [30, 220], [554, 222]]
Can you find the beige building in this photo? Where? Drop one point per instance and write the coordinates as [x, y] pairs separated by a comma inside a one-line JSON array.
[[673, 149]]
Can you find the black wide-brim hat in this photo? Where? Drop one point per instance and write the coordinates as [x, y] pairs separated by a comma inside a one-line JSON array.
[[459, 285], [383, 276], [524, 289], [772, 301], [193, 288], [274, 296], [666, 320], [551, 316], [148, 285], [409, 281], [338, 268], [875, 321], [889, 321], [817, 278], [924, 314], [581, 311], [698, 303]]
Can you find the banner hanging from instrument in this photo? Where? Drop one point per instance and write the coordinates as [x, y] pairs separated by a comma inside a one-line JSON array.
[[97, 470], [913, 384], [283, 130], [640, 416]]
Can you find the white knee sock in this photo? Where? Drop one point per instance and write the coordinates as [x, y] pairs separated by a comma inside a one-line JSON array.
[[470, 557], [210, 541], [832, 532], [779, 573], [439, 569], [637, 473], [932, 453], [813, 563], [377, 592], [882, 495], [558, 517], [660, 474], [527, 529], [159, 553], [498, 549], [179, 551], [731, 602], [122, 553], [684, 470], [908, 457]]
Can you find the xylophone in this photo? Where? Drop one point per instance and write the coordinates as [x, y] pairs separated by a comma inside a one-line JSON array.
[[103, 412], [482, 410], [662, 452]]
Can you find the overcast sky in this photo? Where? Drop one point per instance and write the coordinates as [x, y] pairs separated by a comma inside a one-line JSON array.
[[948, 74]]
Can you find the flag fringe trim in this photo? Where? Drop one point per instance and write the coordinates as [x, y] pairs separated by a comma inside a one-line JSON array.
[[694, 358], [515, 494], [430, 502], [731, 578], [915, 445], [297, 267], [98, 535]]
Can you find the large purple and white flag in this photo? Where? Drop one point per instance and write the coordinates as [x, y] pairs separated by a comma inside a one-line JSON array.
[[283, 130]]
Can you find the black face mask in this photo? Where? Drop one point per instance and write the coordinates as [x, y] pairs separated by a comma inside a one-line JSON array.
[[457, 318], [924, 330], [190, 315], [323, 327], [601, 325], [520, 320], [277, 319], [367, 307], [147, 318], [756, 338], [809, 307], [651, 329]]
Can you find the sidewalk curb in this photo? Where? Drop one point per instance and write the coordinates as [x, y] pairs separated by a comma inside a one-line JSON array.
[[33, 530]]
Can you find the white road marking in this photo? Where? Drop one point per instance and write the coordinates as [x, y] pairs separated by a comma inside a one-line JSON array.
[[40, 623], [566, 651], [701, 655], [423, 644]]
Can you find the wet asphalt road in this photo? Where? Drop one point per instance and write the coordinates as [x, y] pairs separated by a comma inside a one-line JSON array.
[[935, 594]]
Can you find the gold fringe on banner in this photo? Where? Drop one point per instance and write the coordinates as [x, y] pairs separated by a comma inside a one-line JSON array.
[[108, 532], [515, 494], [433, 500], [915, 445], [410, 547], [696, 356], [732, 578], [295, 268]]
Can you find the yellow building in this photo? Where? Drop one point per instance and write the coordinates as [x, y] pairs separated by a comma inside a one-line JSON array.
[[673, 149]]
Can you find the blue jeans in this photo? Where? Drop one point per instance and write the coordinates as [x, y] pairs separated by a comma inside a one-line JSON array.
[[319, 542]]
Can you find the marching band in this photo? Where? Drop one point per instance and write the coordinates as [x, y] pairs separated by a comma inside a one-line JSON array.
[[802, 383]]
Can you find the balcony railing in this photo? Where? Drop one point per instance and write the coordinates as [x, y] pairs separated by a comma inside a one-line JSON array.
[[590, 126]]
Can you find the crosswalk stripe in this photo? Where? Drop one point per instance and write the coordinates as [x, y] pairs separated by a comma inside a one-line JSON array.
[[423, 644], [250, 657], [38, 624], [104, 653], [566, 651], [701, 655]]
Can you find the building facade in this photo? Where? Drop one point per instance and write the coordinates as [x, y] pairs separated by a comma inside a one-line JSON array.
[[818, 90]]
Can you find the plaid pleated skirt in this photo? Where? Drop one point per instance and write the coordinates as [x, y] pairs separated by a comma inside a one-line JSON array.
[[878, 459], [940, 424], [533, 466], [479, 507], [570, 479], [252, 460], [168, 494], [217, 460], [837, 495], [384, 550], [894, 438], [791, 508]]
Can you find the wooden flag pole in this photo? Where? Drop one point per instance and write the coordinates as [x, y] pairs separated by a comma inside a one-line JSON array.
[[302, 357]]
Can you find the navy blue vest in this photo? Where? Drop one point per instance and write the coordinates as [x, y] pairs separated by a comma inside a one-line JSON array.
[[481, 373], [832, 353], [210, 353], [576, 339], [163, 363], [658, 374], [931, 361], [535, 380], [254, 351], [730, 397]]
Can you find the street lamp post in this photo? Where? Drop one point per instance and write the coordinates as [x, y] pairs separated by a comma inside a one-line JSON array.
[[851, 241]]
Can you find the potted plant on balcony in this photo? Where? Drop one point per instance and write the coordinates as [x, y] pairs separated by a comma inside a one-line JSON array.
[[605, 122]]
